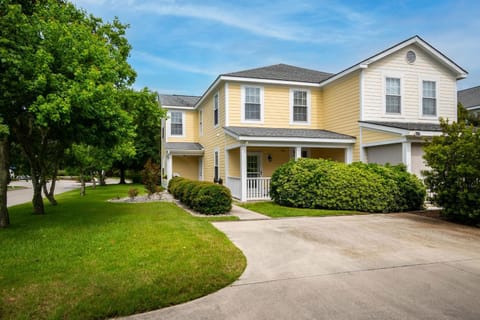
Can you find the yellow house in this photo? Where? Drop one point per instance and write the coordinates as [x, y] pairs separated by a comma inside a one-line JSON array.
[[250, 122]]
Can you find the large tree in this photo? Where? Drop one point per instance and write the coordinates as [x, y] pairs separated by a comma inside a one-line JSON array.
[[61, 72]]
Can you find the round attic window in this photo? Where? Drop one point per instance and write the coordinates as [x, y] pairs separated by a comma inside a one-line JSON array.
[[411, 56]]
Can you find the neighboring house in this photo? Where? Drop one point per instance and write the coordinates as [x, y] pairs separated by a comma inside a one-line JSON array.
[[248, 123], [470, 99]]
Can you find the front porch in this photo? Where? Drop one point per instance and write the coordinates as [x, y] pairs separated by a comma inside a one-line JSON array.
[[249, 168]]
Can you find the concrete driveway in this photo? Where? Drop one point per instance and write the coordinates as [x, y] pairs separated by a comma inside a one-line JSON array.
[[396, 266]]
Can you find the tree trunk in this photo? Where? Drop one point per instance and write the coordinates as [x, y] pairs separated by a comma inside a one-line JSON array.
[[102, 178], [94, 181], [50, 194], [122, 175], [4, 180], [37, 201], [82, 183]]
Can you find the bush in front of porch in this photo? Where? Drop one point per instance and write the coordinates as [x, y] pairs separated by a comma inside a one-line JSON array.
[[203, 197], [324, 184]]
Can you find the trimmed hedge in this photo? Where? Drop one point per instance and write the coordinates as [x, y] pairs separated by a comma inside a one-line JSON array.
[[204, 197], [318, 183]]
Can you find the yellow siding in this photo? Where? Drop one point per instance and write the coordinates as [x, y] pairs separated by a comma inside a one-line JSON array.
[[276, 106], [279, 157], [191, 128], [213, 137], [341, 108], [234, 163], [369, 136], [185, 166], [411, 75], [328, 153]]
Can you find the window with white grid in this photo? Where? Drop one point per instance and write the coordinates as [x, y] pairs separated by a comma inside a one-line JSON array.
[[252, 104], [429, 98], [300, 106], [176, 123], [393, 95]]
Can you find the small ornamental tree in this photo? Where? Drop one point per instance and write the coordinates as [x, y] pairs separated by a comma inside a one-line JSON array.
[[454, 174], [151, 177]]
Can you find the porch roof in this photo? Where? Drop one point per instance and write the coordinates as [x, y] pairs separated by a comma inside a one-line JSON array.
[[287, 134], [184, 148]]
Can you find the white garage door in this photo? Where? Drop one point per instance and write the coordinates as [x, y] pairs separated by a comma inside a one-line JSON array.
[[391, 153]]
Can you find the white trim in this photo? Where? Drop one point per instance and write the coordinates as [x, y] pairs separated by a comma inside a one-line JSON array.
[[227, 105], [201, 174], [362, 95], [232, 146], [298, 152], [269, 81], [242, 104], [362, 151], [421, 79], [178, 107], [216, 151], [169, 166], [348, 155], [295, 139], [309, 106], [407, 155], [294, 145], [186, 152], [472, 108], [226, 166], [217, 97], [460, 74], [243, 172], [379, 127], [169, 127], [200, 124]]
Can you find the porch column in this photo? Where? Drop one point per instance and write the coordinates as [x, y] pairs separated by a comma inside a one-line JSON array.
[[243, 172], [407, 155], [227, 160], [348, 154], [298, 153], [169, 166]]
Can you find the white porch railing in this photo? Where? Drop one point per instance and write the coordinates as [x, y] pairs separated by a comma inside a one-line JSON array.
[[235, 186], [258, 188]]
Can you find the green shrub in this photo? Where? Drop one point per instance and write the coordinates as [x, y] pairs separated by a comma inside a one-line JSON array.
[[317, 183], [212, 199], [203, 197]]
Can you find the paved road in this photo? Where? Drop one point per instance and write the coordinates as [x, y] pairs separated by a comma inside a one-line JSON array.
[[15, 197], [396, 266]]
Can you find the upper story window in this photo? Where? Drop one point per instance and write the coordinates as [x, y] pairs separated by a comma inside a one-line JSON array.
[[176, 123], [393, 96], [300, 102], [429, 98], [252, 104], [215, 109]]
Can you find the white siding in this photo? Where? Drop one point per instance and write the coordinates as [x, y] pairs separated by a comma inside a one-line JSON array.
[[424, 68]]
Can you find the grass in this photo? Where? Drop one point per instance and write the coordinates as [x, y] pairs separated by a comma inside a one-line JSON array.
[[90, 259], [274, 210]]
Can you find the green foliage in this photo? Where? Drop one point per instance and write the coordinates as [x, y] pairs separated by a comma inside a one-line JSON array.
[[151, 177], [469, 118], [132, 193], [204, 197], [454, 174], [317, 183]]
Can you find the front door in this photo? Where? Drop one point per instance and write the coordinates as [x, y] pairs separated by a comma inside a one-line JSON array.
[[254, 164]]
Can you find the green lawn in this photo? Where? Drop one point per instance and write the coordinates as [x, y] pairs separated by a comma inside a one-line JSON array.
[[274, 210], [90, 259]]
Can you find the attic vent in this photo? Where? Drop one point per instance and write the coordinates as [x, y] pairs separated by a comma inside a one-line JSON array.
[[411, 56]]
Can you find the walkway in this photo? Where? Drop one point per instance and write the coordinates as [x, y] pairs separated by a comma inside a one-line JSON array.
[[15, 197]]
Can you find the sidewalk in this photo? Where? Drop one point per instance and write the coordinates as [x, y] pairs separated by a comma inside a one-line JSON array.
[[245, 214]]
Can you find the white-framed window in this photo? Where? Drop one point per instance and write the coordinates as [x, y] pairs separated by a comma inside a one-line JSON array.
[[393, 96], [429, 98], [300, 106], [216, 161], [252, 104], [215, 109], [200, 122], [177, 124]]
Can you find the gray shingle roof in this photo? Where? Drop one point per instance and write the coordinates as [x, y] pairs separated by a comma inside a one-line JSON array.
[[178, 100], [286, 133], [411, 126], [469, 97], [283, 72], [184, 146]]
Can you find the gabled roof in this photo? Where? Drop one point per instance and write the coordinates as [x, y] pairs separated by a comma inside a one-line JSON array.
[[173, 100], [470, 97], [436, 54], [283, 72], [260, 133]]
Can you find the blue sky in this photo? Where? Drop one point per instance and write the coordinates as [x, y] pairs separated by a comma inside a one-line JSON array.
[[180, 47]]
